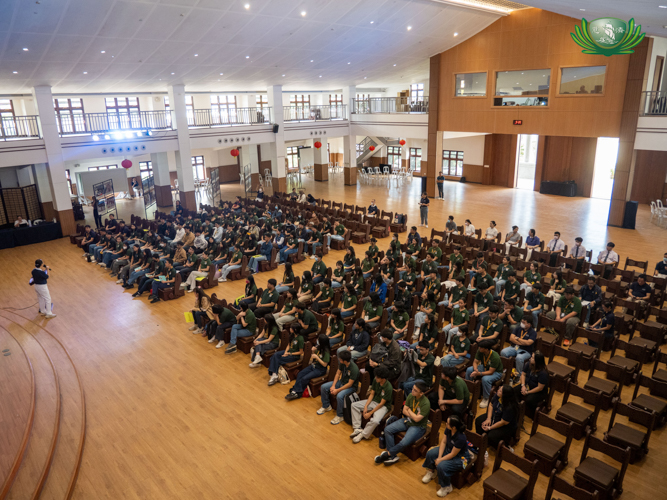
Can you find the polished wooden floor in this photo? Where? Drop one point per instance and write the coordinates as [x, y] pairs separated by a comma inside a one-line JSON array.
[[169, 416]]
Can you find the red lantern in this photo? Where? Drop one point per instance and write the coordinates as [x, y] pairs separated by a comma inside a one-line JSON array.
[[372, 148], [318, 144], [234, 152], [401, 142], [126, 163]]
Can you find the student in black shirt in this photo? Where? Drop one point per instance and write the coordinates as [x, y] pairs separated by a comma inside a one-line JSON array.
[[423, 209], [534, 383], [39, 276], [605, 324], [499, 421], [449, 458]]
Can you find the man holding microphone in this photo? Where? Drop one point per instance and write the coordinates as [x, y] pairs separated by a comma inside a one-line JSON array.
[[39, 277]]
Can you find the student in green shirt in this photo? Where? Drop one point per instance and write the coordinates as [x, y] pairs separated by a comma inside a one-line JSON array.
[[435, 251], [486, 366], [268, 340], [398, 320], [169, 279], [306, 320], [423, 362], [413, 423], [568, 310], [428, 266], [346, 381], [268, 301], [250, 294], [457, 292], [367, 265], [315, 241], [502, 274], [305, 293], [246, 327], [203, 266], [455, 257], [338, 277], [511, 315], [453, 393], [558, 285], [373, 250], [512, 289], [460, 316], [534, 303], [292, 353], [319, 363], [235, 263], [335, 328], [459, 351], [531, 276], [349, 305], [324, 297], [426, 307], [379, 403], [490, 327], [482, 278], [223, 318], [288, 279], [373, 311], [428, 331], [483, 300]]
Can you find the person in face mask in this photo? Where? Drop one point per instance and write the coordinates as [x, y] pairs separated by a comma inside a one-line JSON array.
[[522, 342], [661, 268]]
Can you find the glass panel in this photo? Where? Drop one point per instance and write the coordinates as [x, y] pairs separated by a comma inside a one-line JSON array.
[[582, 80], [530, 82], [110, 101], [459, 168], [471, 84]]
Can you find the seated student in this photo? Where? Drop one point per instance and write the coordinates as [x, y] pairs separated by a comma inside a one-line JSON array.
[[379, 403], [250, 292], [373, 250], [578, 252], [567, 311], [306, 320], [468, 228], [483, 301], [449, 458], [358, 281], [502, 274], [531, 276], [200, 270], [457, 289], [288, 279], [487, 367], [324, 296], [432, 284], [291, 247], [169, 274], [339, 233], [359, 340], [427, 332], [367, 265], [305, 293], [399, 319], [20, 222], [454, 258], [267, 302], [335, 329], [373, 209], [453, 393], [113, 253], [246, 326], [338, 277], [413, 423], [499, 421], [639, 291], [122, 260], [605, 324], [491, 232], [591, 296], [89, 238], [428, 266], [450, 227], [199, 242], [133, 260], [142, 268], [372, 311], [558, 285], [346, 381], [482, 279], [315, 239], [265, 250], [460, 317], [555, 247], [534, 302], [112, 224], [490, 328], [511, 315], [293, 352], [180, 256], [319, 270], [512, 289], [319, 363], [223, 318], [534, 384], [522, 343], [202, 312], [286, 315], [349, 304], [379, 287], [390, 357], [423, 365], [477, 265], [532, 242], [459, 350], [661, 268], [190, 265], [512, 239], [349, 259], [608, 258], [426, 307]]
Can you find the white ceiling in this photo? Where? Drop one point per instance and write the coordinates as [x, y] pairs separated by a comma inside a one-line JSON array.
[[647, 13], [145, 41]]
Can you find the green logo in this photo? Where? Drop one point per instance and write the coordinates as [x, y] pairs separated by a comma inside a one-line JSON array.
[[607, 36]]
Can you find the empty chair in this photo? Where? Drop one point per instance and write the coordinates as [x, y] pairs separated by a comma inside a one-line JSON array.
[[550, 453], [582, 417], [624, 436], [562, 486], [592, 474], [508, 484]]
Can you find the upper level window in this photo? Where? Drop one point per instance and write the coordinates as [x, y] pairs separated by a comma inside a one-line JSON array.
[[522, 88], [7, 122], [123, 112], [470, 84], [300, 100], [6, 108], [190, 109], [198, 167], [167, 108], [336, 105], [145, 169], [69, 115], [223, 108], [262, 101], [582, 80], [103, 167], [416, 92], [335, 99]]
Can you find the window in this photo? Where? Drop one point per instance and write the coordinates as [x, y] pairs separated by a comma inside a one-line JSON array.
[[452, 163], [262, 101], [582, 80], [190, 109], [336, 105], [223, 108], [69, 115], [416, 93], [415, 159], [302, 104], [470, 84], [360, 149], [292, 157], [145, 169], [8, 125], [123, 112], [69, 181], [362, 103], [394, 156], [198, 167], [103, 167], [527, 88]]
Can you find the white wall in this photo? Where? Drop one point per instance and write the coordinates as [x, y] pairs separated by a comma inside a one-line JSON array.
[[8, 177], [117, 175], [472, 147]]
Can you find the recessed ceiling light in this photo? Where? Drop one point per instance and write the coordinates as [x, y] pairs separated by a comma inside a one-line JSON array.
[[394, 65], [456, 34], [196, 55], [103, 51], [247, 6], [409, 28], [85, 72], [311, 60], [283, 75], [221, 74], [582, 10], [372, 22], [25, 49], [173, 73], [247, 57], [663, 6], [320, 76], [303, 13], [364, 78], [348, 63], [15, 72]]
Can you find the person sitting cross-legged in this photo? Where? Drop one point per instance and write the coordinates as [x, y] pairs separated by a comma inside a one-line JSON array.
[[413, 423], [293, 353], [167, 282], [359, 340], [428, 332], [379, 403], [324, 296], [223, 318], [346, 381], [449, 458], [486, 366], [267, 302], [319, 362], [460, 317], [522, 344], [267, 340], [246, 327], [459, 349], [567, 311]]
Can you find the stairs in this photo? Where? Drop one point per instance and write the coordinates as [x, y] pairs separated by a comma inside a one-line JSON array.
[[389, 142], [49, 466], [367, 153]]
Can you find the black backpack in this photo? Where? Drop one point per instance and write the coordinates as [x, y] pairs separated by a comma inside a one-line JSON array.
[[347, 406]]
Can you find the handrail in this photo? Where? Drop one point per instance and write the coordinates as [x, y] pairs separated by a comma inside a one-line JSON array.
[[232, 116], [653, 103], [18, 127], [95, 123], [325, 112], [390, 105]]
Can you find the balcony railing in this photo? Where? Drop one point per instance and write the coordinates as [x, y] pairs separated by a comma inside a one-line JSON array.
[[95, 123], [227, 117], [390, 105], [654, 103], [315, 113], [18, 127]]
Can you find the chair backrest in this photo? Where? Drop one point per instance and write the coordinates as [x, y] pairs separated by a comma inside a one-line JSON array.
[[614, 452], [637, 415], [562, 486], [562, 428], [529, 468]]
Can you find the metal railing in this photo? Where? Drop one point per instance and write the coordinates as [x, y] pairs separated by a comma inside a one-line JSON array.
[[18, 127], [231, 116], [314, 113], [390, 105], [95, 123], [362, 156], [654, 103]]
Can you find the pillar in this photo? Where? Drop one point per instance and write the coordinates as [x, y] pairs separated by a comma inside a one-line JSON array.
[[24, 176], [433, 163], [61, 204], [349, 140], [405, 154], [40, 173], [249, 156], [278, 150], [161, 179], [320, 160], [186, 181]]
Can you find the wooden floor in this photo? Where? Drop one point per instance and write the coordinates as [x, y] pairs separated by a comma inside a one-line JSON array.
[[169, 416]]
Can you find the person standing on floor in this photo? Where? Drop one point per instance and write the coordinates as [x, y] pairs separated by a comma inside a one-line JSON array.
[[423, 209], [96, 214], [39, 276]]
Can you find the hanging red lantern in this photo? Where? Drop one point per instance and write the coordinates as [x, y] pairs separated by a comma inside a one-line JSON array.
[[318, 144], [401, 142], [234, 152], [126, 163], [372, 148]]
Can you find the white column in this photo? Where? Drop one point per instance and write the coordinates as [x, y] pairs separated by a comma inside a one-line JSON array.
[[350, 151], [186, 183], [349, 93], [278, 151], [24, 176], [41, 175], [160, 164]]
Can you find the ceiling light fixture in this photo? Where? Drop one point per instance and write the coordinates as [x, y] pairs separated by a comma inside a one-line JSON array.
[[15, 72], [25, 49], [456, 34], [221, 74], [107, 137], [372, 22], [364, 78], [247, 6], [283, 75], [409, 28], [311, 60], [320, 76], [196, 55], [303, 13], [103, 51], [85, 72], [173, 73], [582, 10], [348, 63], [394, 65], [663, 6], [247, 57]]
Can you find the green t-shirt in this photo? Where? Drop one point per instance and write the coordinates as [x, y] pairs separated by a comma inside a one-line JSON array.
[[288, 278], [385, 392], [461, 346], [306, 287], [460, 316], [429, 267], [327, 293], [454, 259], [204, 263], [425, 373], [318, 237], [170, 275], [251, 321], [535, 300], [226, 316], [483, 300], [516, 313], [268, 297], [367, 265], [435, 252], [482, 264], [296, 344], [512, 290], [491, 360], [372, 311], [558, 286], [421, 406], [567, 306], [275, 333], [337, 328], [348, 373], [340, 230], [326, 357], [531, 277], [490, 327], [458, 294], [488, 280], [373, 249], [309, 319], [238, 255], [338, 273], [349, 301], [433, 285], [400, 320], [319, 268], [503, 271], [456, 390]]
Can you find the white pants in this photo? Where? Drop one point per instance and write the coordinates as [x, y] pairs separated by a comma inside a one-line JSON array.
[[357, 408], [192, 279], [44, 298]]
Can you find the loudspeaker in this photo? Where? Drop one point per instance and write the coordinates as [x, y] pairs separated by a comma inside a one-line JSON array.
[[630, 214], [275, 128]]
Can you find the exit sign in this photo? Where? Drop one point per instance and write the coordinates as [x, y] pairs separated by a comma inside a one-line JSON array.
[[517, 122]]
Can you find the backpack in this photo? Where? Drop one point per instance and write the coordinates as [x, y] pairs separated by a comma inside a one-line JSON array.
[[400, 218], [379, 352], [347, 406], [283, 376]]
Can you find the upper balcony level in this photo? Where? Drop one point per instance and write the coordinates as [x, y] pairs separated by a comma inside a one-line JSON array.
[[370, 105], [654, 103]]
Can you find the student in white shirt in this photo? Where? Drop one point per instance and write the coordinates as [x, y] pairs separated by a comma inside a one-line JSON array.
[[578, 252], [608, 257], [217, 232], [555, 247], [512, 239], [180, 232], [20, 221], [491, 231], [468, 228]]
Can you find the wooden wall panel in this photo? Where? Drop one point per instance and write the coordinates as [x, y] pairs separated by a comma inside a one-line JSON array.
[[582, 164], [528, 39], [567, 159], [649, 177], [473, 173], [502, 159]]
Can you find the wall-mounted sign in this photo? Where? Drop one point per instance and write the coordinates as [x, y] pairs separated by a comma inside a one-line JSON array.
[[517, 122]]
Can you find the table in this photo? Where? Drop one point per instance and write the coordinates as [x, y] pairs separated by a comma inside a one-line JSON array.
[[10, 238]]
